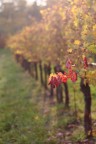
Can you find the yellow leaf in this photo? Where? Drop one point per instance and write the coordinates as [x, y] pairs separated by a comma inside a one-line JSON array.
[[36, 118], [18, 52], [77, 42], [94, 27], [69, 50]]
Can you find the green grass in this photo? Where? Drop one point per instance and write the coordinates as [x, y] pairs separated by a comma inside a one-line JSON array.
[[20, 119], [26, 118]]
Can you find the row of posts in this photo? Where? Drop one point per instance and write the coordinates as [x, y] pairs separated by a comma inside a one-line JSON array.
[[42, 72]]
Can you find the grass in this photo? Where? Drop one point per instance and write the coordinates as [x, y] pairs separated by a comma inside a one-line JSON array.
[[26, 116], [20, 120]]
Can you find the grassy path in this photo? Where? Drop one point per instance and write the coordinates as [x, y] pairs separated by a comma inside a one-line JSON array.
[[20, 119]]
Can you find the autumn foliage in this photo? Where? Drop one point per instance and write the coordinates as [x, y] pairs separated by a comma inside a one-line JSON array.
[[65, 35], [67, 30]]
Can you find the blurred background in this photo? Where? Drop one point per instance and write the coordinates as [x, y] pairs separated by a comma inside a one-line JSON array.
[[15, 14]]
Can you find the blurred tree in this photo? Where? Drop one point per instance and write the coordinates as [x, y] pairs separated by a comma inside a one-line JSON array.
[[51, 2], [34, 11], [21, 5], [14, 15]]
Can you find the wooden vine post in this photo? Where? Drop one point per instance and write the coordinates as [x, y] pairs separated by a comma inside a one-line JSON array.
[[41, 72], [36, 70], [85, 88], [59, 93], [66, 95], [45, 75], [75, 105]]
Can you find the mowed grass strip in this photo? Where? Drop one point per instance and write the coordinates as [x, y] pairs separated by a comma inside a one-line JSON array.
[[20, 119]]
